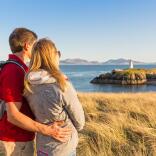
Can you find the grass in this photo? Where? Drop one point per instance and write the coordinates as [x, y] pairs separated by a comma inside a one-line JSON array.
[[137, 71], [120, 124]]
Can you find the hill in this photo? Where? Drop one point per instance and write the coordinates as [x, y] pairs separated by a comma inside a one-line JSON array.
[[78, 61], [121, 61]]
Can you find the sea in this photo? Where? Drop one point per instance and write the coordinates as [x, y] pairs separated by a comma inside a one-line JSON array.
[[81, 75]]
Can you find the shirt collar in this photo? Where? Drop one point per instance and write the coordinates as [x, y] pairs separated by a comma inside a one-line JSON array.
[[16, 58]]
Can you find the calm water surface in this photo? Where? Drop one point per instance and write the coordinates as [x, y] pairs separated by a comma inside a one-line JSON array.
[[81, 75]]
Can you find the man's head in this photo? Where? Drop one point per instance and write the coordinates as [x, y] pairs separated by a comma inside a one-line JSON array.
[[21, 40]]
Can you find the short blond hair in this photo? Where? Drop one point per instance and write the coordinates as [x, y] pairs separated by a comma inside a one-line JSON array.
[[19, 37]]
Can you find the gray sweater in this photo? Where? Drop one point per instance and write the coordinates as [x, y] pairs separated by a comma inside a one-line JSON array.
[[50, 104]]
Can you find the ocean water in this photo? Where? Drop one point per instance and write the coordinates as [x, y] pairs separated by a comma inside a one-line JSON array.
[[81, 75]]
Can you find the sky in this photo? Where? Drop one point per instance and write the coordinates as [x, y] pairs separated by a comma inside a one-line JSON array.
[[88, 29]]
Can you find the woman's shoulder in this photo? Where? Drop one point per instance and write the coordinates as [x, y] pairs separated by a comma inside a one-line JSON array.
[[69, 91], [45, 92]]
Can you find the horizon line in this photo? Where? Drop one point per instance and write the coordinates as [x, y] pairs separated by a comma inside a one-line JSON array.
[[85, 59]]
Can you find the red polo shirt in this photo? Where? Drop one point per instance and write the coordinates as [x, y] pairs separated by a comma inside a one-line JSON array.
[[11, 90]]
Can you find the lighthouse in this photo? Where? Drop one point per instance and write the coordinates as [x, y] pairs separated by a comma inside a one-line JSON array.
[[131, 64]]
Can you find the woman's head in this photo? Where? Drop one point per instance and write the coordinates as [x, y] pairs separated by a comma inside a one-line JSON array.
[[45, 56]]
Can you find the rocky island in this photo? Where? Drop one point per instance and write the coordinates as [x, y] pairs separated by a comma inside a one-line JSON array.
[[127, 77]]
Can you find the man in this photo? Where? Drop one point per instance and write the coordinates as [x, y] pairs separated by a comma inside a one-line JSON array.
[[17, 126]]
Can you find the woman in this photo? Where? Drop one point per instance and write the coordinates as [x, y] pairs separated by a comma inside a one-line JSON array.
[[52, 98]]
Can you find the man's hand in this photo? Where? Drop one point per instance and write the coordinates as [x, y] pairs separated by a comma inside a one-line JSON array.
[[58, 132], [55, 130]]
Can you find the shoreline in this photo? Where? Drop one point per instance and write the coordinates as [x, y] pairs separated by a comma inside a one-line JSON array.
[[129, 76]]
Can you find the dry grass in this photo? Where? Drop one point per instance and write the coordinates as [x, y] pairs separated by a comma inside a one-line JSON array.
[[121, 124]]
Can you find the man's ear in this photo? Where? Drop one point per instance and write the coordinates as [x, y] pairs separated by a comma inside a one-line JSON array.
[[26, 46]]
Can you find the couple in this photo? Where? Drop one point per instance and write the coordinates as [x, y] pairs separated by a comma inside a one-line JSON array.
[[39, 99]]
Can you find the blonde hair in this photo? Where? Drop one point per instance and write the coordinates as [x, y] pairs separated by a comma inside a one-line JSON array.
[[44, 56]]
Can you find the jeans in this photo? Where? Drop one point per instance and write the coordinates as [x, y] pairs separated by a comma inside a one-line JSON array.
[[16, 148], [40, 153]]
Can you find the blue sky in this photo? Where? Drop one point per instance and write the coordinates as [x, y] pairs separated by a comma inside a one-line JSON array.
[[88, 29]]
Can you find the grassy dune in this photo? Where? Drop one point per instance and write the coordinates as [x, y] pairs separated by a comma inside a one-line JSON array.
[[122, 124]]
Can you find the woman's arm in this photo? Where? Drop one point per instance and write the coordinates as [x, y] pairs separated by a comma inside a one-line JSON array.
[[19, 119], [74, 107]]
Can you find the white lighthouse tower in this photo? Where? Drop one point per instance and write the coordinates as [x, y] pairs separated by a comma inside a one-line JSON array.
[[131, 66]]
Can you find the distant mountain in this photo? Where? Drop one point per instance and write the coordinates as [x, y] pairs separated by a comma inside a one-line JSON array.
[[78, 61], [121, 61]]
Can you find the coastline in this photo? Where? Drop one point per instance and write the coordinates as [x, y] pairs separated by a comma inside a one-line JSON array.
[[83, 74], [151, 82], [129, 76]]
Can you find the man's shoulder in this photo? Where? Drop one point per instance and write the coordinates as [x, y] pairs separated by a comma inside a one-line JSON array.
[[11, 68]]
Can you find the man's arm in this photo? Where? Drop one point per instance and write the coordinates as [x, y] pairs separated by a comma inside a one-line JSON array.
[[19, 119], [13, 90]]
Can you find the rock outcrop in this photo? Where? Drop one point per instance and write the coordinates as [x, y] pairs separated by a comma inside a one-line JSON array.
[[126, 77]]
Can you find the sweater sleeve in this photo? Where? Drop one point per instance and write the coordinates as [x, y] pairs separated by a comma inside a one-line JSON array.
[[73, 107]]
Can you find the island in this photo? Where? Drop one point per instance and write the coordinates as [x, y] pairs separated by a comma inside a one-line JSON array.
[[130, 76]]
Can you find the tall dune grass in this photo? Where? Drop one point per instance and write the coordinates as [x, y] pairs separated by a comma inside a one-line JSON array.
[[121, 124]]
